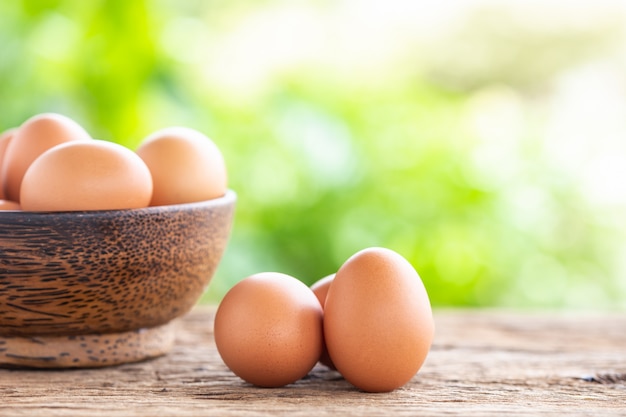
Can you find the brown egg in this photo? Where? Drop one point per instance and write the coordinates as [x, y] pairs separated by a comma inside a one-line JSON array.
[[268, 329], [186, 166], [86, 175], [9, 205], [320, 289], [5, 138], [33, 137], [378, 322]]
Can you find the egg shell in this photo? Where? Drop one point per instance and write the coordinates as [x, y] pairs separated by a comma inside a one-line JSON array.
[[5, 138], [186, 166], [268, 329], [378, 323], [9, 205], [320, 289], [89, 175], [32, 138]]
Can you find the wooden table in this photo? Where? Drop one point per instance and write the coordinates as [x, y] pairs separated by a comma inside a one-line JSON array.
[[482, 363]]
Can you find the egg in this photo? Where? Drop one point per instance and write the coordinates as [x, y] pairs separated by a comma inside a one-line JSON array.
[[9, 205], [32, 138], [268, 329], [186, 166], [86, 175], [5, 138], [378, 323], [320, 289]]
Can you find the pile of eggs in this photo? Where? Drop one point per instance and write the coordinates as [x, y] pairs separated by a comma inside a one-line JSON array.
[[371, 321], [50, 163]]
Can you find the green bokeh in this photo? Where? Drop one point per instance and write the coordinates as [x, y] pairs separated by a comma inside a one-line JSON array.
[[328, 159]]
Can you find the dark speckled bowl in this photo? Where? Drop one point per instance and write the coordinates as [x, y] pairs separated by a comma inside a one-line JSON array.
[[87, 289]]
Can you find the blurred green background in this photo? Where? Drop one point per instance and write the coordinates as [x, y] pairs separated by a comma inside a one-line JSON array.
[[484, 141]]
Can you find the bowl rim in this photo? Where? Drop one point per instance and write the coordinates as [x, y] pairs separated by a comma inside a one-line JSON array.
[[228, 198]]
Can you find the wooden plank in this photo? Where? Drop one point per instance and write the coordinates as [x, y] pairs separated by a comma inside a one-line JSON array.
[[483, 363]]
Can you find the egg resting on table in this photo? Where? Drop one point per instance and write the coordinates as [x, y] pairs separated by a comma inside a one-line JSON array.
[[378, 324], [320, 289], [9, 205], [268, 329]]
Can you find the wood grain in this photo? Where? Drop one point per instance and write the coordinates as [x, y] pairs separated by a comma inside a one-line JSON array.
[[107, 271], [483, 363]]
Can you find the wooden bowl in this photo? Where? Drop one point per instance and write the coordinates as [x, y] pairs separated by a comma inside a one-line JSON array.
[[98, 288]]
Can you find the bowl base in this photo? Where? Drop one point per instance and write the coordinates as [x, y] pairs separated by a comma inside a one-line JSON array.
[[85, 351]]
